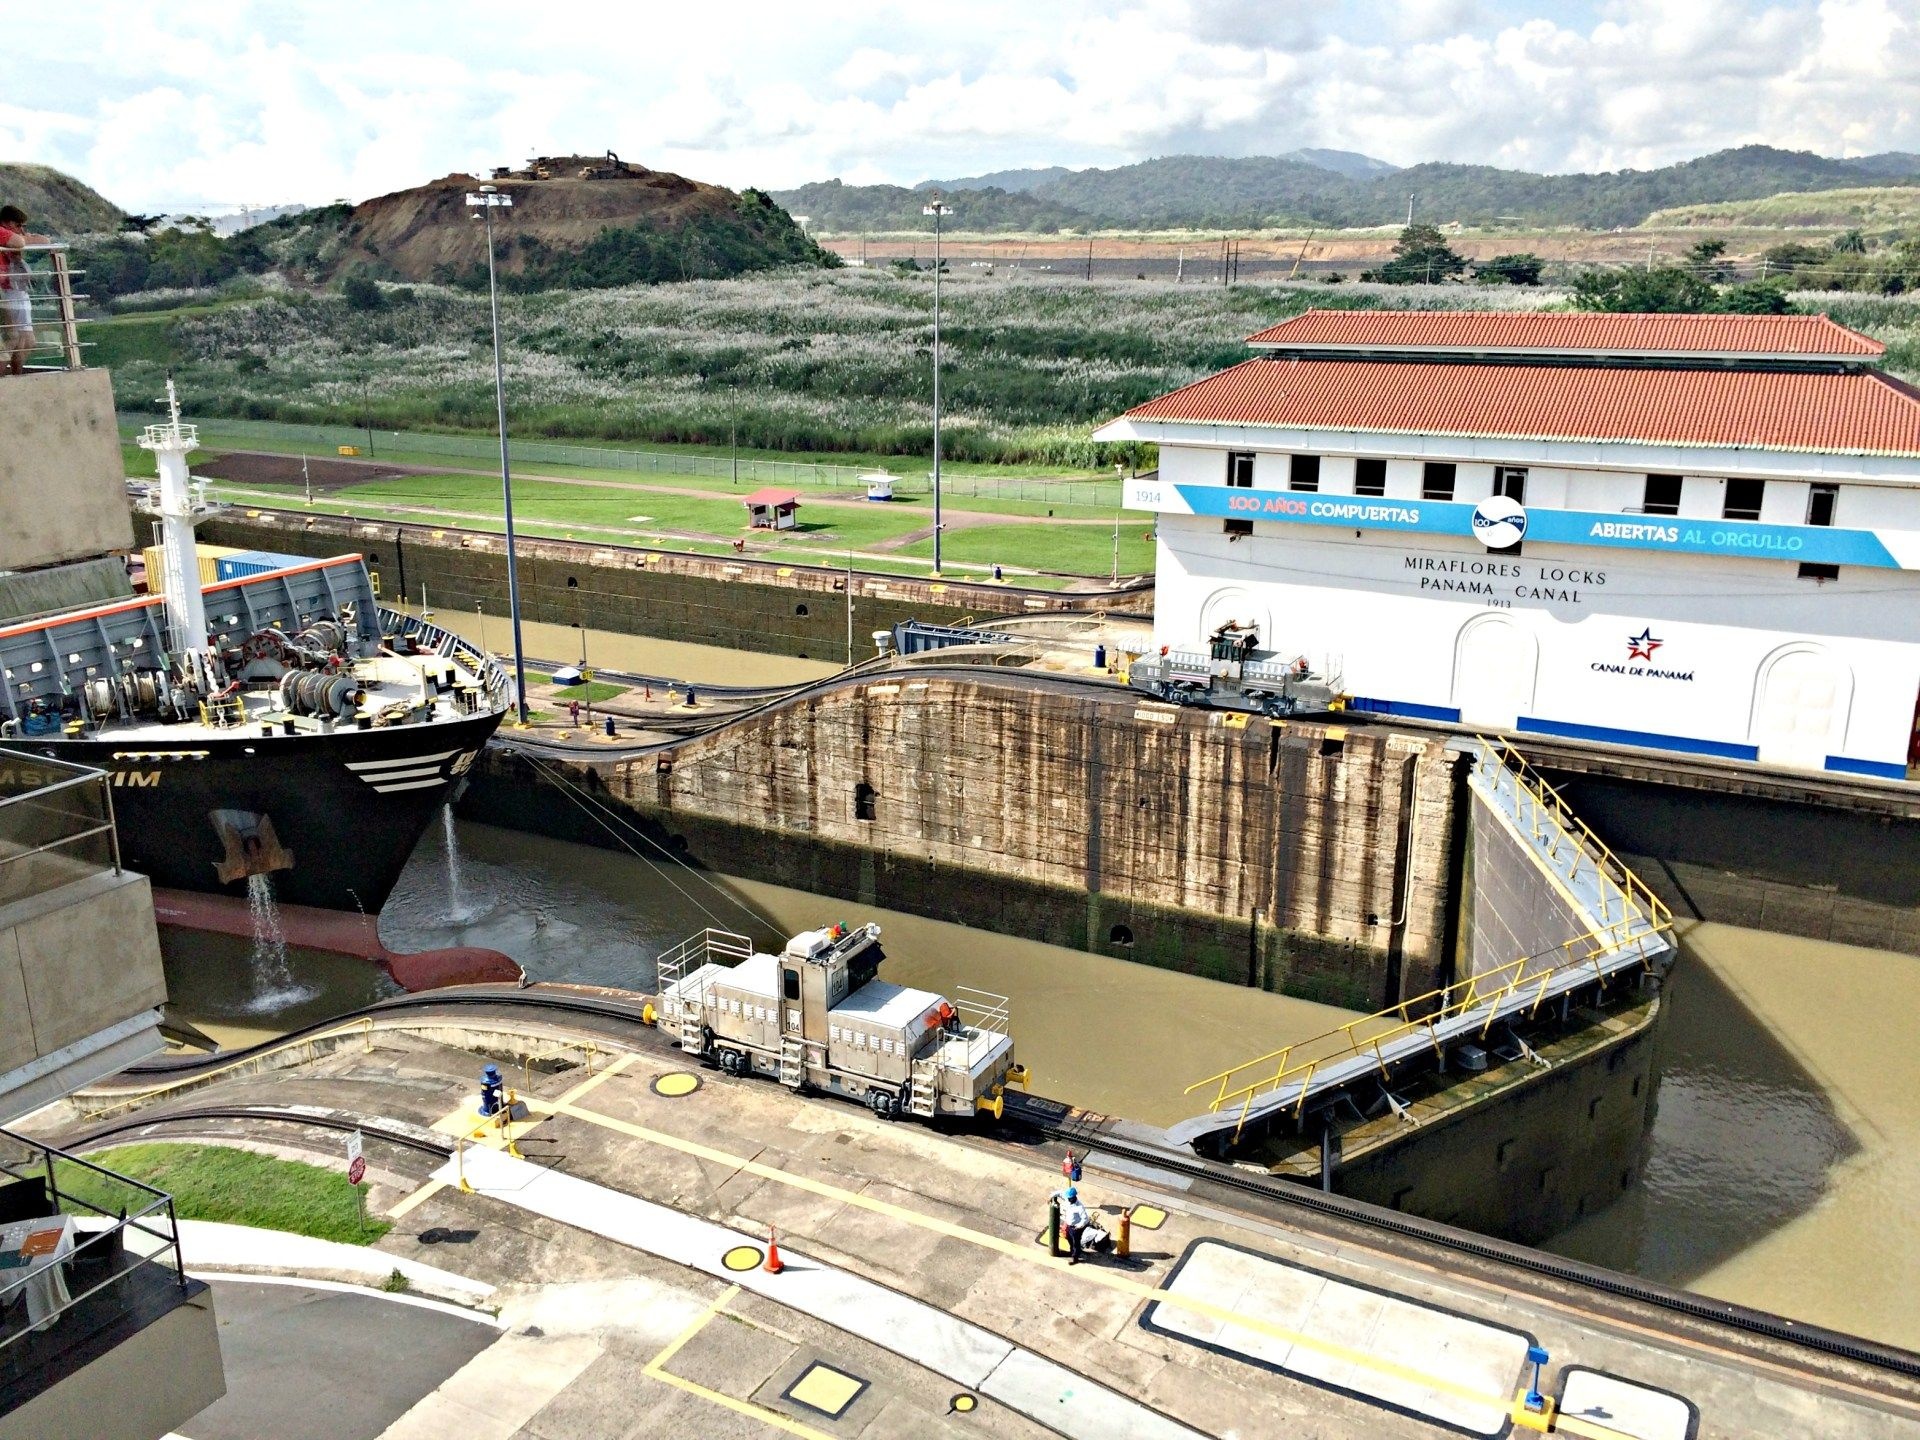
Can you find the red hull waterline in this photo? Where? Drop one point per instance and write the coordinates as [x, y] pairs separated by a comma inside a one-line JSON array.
[[339, 932]]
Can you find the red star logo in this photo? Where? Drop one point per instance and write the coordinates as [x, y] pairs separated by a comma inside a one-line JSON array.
[[1642, 646]]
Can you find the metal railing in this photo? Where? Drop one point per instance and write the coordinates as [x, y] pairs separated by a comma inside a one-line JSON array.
[[142, 1211], [1630, 914], [52, 306], [56, 824], [983, 1014]]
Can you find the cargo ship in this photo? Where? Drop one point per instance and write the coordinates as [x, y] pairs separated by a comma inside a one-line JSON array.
[[277, 723]]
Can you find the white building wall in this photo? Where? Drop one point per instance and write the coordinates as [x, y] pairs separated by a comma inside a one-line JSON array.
[[1413, 620]]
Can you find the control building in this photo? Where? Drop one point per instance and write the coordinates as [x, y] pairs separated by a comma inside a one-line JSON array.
[[1695, 533]]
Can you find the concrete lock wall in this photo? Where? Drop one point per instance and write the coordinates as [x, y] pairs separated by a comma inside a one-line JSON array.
[[62, 483], [1530, 1158], [1134, 830], [703, 599], [75, 961]]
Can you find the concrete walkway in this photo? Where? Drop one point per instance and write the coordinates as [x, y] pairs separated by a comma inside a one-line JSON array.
[[919, 1278], [971, 1357]]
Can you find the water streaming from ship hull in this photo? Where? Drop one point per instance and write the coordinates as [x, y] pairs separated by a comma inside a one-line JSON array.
[[457, 911], [274, 987]]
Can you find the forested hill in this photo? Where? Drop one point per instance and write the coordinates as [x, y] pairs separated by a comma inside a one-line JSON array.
[[1212, 192], [55, 202]]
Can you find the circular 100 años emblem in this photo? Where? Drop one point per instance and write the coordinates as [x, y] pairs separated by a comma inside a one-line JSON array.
[[1499, 522]]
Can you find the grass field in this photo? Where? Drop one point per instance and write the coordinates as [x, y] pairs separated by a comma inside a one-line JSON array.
[[219, 1182]]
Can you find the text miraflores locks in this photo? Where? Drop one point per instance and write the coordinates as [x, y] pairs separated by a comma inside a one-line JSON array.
[[1460, 576]]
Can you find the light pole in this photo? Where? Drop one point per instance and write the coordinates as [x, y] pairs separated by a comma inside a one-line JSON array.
[[937, 208], [487, 200], [586, 675], [1119, 473]]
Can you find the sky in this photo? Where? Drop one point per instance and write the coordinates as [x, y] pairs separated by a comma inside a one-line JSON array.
[[215, 104]]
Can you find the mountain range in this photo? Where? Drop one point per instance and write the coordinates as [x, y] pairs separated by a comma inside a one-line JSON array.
[[1332, 189]]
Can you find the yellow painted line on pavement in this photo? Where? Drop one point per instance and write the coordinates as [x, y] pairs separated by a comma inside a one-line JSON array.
[[471, 1127], [1026, 1254], [656, 1369]]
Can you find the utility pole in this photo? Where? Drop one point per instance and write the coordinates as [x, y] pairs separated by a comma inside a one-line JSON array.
[[1089, 259], [849, 609], [487, 201], [1410, 210], [366, 414], [1180, 267], [734, 440], [939, 209]]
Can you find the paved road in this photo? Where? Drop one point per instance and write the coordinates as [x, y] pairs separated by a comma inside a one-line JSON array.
[[309, 1364]]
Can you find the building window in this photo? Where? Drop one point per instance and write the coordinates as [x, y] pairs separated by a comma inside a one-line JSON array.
[[1304, 473], [1510, 481], [1240, 468], [1822, 573], [1234, 529], [1743, 499], [1663, 495], [863, 797], [1436, 481], [1369, 477], [1820, 502]]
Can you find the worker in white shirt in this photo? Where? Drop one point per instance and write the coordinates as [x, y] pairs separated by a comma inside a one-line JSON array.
[[1073, 1219]]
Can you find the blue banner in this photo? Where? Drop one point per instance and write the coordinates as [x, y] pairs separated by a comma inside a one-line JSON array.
[[1806, 544]]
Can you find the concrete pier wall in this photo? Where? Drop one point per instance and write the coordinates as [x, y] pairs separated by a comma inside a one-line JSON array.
[[702, 599], [1301, 857]]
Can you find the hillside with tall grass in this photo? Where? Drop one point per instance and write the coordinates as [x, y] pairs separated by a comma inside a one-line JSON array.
[[794, 361]]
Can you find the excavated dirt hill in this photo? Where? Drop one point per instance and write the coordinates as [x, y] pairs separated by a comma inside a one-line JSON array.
[[564, 202]]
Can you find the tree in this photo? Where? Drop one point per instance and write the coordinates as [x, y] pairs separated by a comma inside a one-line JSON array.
[[1705, 260], [1665, 289], [1521, 269], [1755, 297], [361, 293], [1421, 256], [1851, 243]]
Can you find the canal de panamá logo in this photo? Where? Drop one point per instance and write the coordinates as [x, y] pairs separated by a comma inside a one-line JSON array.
[[1499, 522], [1639, 662]]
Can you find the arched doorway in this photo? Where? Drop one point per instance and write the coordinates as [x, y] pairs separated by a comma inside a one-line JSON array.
[[1495, 667], [1802, 700]]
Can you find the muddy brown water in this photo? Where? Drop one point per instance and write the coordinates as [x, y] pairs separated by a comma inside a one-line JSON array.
[[1779, 1173], [641, 654]]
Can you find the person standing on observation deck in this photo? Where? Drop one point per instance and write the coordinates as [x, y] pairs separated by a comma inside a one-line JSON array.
[[16, 306]]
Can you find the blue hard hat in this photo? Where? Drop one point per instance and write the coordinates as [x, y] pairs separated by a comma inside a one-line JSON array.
[[1072, 1193]]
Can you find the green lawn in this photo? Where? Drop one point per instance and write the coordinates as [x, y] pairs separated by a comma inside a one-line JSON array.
[[1065, 549], [219, 1182], [592, 693]]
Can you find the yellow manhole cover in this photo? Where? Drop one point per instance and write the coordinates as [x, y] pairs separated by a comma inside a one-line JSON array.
[[825, 1390], [742, 1257], [962, 1404], [1149, 1217], [675, 1085]]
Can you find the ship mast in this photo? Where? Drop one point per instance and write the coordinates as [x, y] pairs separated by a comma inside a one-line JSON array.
[[186, 606]]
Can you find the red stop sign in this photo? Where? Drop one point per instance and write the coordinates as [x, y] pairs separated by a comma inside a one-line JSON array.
[[356, 1171]]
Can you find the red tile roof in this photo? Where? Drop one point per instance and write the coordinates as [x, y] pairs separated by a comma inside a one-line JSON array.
[[1775, 336], [1857, 412]]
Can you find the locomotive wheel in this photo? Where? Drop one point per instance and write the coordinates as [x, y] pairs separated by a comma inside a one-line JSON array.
[[732, 1062], [885, 1104]]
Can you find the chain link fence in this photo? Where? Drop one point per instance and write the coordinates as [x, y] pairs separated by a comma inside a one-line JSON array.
[[483, 451]]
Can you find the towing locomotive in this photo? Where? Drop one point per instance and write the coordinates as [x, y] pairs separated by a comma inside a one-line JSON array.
[[816, 1016]]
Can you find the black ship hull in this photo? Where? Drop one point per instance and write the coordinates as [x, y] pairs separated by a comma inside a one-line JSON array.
[[331, 817]]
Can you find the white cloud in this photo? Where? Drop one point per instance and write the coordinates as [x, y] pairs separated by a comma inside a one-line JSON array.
[[260, 101]]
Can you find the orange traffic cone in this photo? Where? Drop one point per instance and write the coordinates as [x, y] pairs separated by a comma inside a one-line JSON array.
[[774, 1264]]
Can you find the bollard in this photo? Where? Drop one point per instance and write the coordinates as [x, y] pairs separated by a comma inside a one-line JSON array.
[[1123, 1242], [490, 1090], [692, 703], [610, 730], [1053, 1226]]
